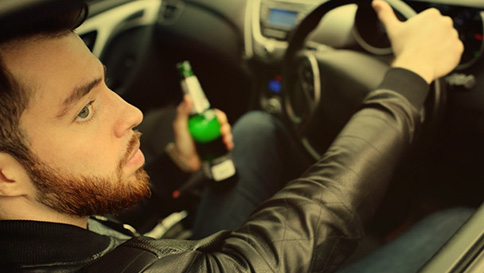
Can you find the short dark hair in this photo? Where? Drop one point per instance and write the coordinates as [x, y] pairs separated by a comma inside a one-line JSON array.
[[39, 17], [14, 97]]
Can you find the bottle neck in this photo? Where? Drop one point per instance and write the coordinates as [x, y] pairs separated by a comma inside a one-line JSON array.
[[191, 86]]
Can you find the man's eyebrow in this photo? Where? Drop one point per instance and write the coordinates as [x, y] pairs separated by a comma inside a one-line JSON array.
[[77, 94]]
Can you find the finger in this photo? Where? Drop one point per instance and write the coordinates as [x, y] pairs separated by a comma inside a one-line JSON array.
[[385, 14], [225, 128], [187, 102], [226, 132], [183, 111], [221, 116], [228, 141]]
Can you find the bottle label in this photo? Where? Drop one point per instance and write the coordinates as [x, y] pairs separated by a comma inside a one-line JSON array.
[[223, 170], [191, 86]]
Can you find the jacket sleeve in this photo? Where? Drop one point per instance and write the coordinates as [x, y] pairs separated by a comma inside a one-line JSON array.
[[314, 223]]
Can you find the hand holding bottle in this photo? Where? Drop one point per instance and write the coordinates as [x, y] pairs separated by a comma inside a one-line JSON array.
[[184, 144], [209, 130]]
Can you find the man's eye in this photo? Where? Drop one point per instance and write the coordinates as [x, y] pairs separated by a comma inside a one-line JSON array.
[[85, 112]]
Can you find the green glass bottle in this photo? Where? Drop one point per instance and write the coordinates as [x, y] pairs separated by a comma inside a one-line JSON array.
[[204, 128]]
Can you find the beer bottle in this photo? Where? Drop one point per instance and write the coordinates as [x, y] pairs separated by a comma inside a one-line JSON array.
[[204, 127]]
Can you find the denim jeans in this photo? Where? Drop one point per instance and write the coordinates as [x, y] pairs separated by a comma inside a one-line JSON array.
[[266, 158]]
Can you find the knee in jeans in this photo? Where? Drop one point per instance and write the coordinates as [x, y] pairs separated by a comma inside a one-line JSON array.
[[256, 123]]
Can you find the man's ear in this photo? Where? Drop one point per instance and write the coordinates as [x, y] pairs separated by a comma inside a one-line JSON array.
[[14, 180]]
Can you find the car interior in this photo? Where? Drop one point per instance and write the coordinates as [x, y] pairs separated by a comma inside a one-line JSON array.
[[309, 63]]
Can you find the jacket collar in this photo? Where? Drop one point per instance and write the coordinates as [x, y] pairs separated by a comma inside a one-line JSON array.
[[35, 243]]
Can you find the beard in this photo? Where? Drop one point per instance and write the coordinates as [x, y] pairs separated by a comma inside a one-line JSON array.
[[81, 195]]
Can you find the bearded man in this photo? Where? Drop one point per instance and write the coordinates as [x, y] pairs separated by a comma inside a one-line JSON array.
[[68, 150]]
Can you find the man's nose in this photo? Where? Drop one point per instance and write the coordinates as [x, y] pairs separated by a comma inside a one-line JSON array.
[[129, 117]]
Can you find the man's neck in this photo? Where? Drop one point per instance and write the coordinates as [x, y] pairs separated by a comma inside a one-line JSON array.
[[22, 209]]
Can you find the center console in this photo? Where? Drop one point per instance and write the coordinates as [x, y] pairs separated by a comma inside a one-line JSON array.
[[268, 28]]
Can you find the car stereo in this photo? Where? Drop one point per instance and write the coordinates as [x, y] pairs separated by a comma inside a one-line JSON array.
[[278, 18]]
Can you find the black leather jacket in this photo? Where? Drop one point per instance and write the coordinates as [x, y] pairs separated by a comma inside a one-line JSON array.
[[312, 225]]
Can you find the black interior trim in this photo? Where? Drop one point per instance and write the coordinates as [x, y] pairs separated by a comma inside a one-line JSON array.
[[221, 16], [99, 6]]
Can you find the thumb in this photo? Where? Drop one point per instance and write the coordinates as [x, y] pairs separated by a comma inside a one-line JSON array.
[[187, 104], [385, 14], [183, 111]]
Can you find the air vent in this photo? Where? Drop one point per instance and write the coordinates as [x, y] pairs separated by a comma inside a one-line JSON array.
[[171, 10]]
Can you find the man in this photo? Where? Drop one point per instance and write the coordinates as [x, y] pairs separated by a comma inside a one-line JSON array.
[[69, 150]]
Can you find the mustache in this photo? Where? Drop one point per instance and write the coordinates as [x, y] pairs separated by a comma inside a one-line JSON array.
[[132, 144]]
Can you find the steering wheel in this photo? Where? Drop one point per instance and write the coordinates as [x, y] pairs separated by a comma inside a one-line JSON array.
[[323, 87]]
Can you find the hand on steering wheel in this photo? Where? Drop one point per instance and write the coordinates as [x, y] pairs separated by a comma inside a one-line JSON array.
[[426, 44]]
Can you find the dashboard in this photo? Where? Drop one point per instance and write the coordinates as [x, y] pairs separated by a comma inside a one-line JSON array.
[[270, 23], [270, 30]]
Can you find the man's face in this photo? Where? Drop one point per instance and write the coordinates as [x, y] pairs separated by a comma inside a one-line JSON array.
[[88, 157]]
